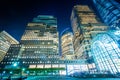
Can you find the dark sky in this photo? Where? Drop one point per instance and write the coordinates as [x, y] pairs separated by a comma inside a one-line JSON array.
[[15, 14]]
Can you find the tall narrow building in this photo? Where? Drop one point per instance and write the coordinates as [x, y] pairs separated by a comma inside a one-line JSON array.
[[86, 25], [109, 10], [67, 45]]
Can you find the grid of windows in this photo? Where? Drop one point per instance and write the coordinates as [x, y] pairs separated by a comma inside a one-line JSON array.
[[67, 45], [5, 41], [106, 53], [41, 41], [109, 11]]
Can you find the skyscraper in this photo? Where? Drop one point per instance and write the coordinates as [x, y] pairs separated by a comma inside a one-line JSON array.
[[5, 41], [105, 47], [40, 42], [109, 10], [86, 25]]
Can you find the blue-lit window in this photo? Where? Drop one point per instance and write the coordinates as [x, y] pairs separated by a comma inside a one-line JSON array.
[[116, 11], [108, 4]]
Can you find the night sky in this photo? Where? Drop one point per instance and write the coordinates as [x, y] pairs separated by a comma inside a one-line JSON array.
[[15, 14]]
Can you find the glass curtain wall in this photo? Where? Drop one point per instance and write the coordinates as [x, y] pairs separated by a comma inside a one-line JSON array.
[[106, 53]]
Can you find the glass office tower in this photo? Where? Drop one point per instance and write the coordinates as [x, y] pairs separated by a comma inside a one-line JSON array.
[[5, 41], [40, 41], [109, 10], [106, 52], [86, 25]]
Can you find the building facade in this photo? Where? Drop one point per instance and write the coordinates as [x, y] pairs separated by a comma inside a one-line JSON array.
[[67, 45], [40, 41], [5, 41], [106, 52], [86, 25], [109, 10]]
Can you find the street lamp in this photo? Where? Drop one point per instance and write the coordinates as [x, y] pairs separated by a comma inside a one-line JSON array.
[[15, 64], [11, 72], [23, 69]]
